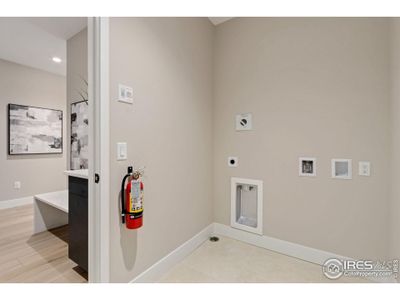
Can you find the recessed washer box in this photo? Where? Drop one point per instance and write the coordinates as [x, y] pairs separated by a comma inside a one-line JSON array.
[[247, 204]]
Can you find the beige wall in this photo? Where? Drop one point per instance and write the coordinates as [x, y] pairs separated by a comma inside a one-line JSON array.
[[37, 173], [77, 70], [395, 157], [168, 129], [319, 88]]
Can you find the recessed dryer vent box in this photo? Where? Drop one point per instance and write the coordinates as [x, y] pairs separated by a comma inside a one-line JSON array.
[[244, 122], [246, 204]]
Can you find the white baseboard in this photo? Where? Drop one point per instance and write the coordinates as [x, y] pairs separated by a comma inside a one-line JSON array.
[[16, 202], [156, 271]]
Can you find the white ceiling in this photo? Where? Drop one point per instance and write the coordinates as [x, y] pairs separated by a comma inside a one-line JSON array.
[[219, 20], [35, 41]]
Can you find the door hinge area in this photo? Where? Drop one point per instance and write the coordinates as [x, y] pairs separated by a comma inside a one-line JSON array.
[[96, 178]]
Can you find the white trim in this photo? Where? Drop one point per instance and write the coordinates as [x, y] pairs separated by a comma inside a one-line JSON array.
[[104, 196], [93, 254], [314, 160], [349, 168], [156, 271], [99, 222], [16, 202], [234, 182]]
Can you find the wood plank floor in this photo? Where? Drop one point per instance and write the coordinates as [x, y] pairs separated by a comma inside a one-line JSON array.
[[28, 257]]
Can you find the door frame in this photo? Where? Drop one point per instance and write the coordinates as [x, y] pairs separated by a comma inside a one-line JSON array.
[[99, 150]]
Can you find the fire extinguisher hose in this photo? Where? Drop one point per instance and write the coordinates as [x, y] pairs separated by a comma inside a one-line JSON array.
[[123, 209]]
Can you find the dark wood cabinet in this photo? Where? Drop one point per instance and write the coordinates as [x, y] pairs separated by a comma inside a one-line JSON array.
[[78, 221]]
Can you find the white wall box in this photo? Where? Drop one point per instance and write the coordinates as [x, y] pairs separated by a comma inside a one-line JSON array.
[[247, 204], [308, 166], [341, 168], [122, 151], [233, 161], [244, 122], [364, 168], [125, 94]]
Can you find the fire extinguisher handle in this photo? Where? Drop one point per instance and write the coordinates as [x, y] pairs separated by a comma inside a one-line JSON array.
[[123, 209]]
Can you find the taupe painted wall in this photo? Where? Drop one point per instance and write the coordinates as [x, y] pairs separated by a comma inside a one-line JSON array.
[[168, 62], [37, 173], [317, 87], [77, 70], [395, 157]]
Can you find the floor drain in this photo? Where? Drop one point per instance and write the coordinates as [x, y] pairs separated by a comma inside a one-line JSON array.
[[214, 239]]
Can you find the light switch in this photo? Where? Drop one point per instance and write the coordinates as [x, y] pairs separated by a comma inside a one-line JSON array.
[[364, 168], [125, 94], [122, 151]]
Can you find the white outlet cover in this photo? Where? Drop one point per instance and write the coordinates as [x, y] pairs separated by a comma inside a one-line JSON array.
[[125, 94], [244, 122], [233, 161], [122, 151], [364, 168], [17, 185]]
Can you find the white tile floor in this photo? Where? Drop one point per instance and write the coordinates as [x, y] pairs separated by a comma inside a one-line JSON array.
[[229, 260]]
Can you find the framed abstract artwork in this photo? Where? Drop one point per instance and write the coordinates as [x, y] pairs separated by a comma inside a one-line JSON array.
[[34, 130], [79, 135]]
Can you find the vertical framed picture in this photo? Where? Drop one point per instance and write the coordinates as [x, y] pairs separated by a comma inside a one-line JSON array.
[[34, 130], [79, 135], [341, 168], [308, 166]]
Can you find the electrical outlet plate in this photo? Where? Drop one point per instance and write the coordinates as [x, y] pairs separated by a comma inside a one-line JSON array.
[[244, 122], [17, 185], [125, 94], [364, 168]]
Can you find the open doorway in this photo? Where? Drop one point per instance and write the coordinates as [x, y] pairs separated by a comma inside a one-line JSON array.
[[44, 163]]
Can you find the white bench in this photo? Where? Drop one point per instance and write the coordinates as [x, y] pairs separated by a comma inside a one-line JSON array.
[[50, 210]]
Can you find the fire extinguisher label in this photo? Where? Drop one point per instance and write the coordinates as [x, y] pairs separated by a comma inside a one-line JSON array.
[[135, 189], [136, 201]]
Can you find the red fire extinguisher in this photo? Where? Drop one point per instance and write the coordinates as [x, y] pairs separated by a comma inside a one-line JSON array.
[[132, 199]]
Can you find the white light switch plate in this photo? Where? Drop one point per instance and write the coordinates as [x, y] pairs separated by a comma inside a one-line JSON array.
[[122, 151], [125, 94], [364, 168]]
